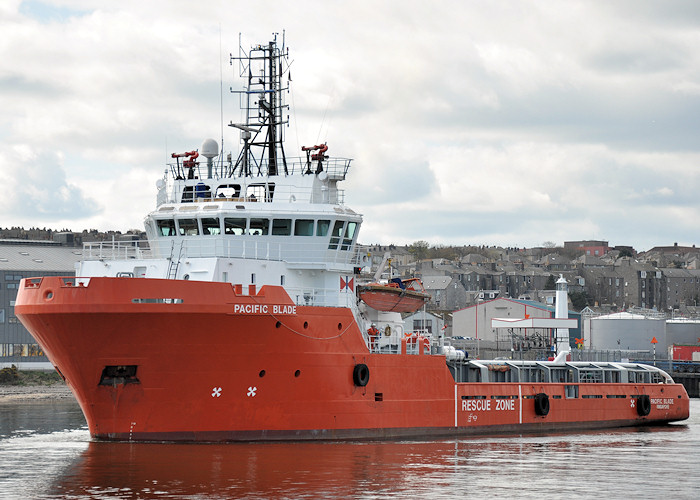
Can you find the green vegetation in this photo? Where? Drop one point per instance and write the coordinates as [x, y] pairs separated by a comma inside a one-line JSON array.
[[579, 300], [12, 376], [551, 284], [625, 252]]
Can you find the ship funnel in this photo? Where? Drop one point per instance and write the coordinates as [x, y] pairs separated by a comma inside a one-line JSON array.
[[210, 150]]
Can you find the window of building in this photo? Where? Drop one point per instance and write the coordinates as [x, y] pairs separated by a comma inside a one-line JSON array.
[[21, 350], [2, 315], [420, 325]]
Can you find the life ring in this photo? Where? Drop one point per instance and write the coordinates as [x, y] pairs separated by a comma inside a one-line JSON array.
[[541, 404], [360, 375], [643, 405]]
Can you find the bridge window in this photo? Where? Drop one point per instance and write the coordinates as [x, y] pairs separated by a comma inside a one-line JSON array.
[[260, 192], [210, 225], [259, 227], [166, 227], [234, 226], [187, 194], [201, 190], [303, 227], [336, 234], [349, 235], [322, 227], [188, 227], [281, 227], [228, 191]]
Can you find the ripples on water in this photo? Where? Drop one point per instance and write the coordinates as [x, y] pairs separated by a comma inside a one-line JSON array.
[[46, 452]]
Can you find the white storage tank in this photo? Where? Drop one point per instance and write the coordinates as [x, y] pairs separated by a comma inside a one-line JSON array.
[[627, 331], [682, 331]]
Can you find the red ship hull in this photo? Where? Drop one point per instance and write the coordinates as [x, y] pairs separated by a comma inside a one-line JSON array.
[[205, 362]]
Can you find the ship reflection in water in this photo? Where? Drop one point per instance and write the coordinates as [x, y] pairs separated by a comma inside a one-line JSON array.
[[63, 463], [354, 470]]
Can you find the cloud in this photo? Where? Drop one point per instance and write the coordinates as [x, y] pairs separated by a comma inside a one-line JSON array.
[[480, 122], [38, 190]]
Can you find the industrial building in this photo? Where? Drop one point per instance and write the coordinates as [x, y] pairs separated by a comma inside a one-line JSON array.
[[474, 322], [639, 330], [23, 259]]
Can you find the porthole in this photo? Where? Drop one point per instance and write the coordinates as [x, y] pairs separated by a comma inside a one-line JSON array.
[[278, 324], [262, 373], [340, 326], [306, 324], [297, 373]]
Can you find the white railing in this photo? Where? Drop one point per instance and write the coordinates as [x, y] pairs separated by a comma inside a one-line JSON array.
[[335, 168], [117, 250], [242, 247], [323, 297]]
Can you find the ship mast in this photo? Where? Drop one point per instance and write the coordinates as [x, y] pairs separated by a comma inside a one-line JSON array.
[[262, 101]]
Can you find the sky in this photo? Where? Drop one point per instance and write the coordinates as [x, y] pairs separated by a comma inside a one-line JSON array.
[[510, 123]]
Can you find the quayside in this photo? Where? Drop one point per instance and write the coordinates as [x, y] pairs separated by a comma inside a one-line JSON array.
[[242, 317]]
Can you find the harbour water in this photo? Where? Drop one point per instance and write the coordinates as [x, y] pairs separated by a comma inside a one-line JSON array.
[[46, 452]]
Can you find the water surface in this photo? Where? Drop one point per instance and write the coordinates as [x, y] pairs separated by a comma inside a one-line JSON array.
[[46, 452]]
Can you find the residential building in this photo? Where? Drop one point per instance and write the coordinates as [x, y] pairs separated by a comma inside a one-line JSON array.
[[596, 248]]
